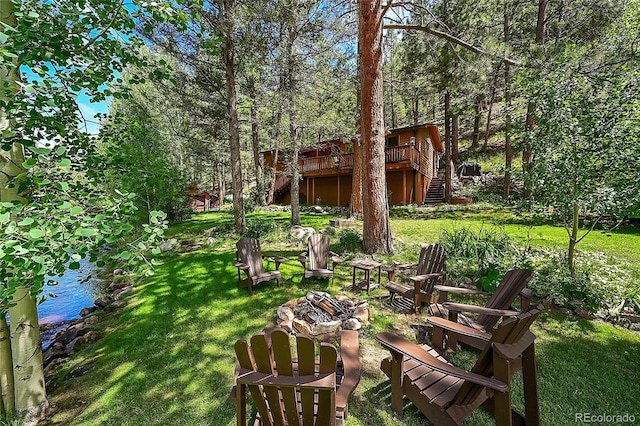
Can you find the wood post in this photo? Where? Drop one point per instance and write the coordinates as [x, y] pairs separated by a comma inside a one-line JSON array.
[[396, 383]]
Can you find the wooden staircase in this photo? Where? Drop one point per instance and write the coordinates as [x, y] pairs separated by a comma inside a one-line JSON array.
[[435, 193], [283, 184]]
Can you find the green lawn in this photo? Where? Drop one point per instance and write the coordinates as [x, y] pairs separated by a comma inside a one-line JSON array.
[[167, 358]]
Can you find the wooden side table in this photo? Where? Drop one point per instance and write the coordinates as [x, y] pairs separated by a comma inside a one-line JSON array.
[[367, 266]]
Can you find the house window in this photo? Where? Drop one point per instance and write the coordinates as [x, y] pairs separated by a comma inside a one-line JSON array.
[[392, 141]]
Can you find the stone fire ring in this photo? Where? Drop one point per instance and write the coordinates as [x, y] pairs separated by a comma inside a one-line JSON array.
[[326, 331]]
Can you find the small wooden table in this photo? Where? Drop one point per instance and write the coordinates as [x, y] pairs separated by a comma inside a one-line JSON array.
[[367, 266]]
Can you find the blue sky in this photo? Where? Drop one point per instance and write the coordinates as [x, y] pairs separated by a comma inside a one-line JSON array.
[[89, 110]]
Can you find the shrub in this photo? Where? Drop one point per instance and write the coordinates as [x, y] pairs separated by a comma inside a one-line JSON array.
[[483, 255], [258, 227], [595, 284], [349, 242]]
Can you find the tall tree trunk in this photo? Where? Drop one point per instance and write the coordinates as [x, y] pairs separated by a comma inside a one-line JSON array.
[[508, 153], [232, 111], [255, 144], [476, 124], [527, 161], [447, 147], [8, 402], [455, 133], [295, 183], [274, 178], [222, 191], [376, 228], [573, 237], [26, 351], [276, 137], [416, 108], [293, 125], [25, 362], [355, 204], [540, 24], [487, 131]]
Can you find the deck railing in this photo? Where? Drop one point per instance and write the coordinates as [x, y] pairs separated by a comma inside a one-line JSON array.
[[393, 154]]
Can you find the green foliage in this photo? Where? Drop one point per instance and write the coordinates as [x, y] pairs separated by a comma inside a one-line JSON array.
[[135, 157], [258, 227], [585, 142], [57, 228], [632, 299], [490, 279], [484, 254], [54, 210], [597, 282], [349, 242]]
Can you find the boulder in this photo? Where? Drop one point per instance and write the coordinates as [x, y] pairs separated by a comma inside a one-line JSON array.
[[92, 320], [285, 313], [351, 324], [67, 336], [102, 302], [55, 363], [291, 303], [91, 336], [119, 293], [301, 233], [361, 313], [117, 285], [302, 327], [87, 311], [115, 305], [326, 327], [329, 230], [169, 245], [51, 354], [286, 325]]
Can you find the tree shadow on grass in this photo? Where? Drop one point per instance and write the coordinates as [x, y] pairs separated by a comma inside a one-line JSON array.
[[168, 357], [583, 367]]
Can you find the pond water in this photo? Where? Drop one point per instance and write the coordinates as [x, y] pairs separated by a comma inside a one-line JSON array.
[[76, 289]]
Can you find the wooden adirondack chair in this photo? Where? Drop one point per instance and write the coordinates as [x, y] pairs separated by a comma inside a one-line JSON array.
[[249, 259], [431, 269], [315, 260], [447, 395], [499, 305], [295, 391]]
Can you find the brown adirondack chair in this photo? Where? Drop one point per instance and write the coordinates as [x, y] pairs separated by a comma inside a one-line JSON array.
[[498, 306], [249, 259], [295, 391], [447, 395], [315, 260], [431, 269]]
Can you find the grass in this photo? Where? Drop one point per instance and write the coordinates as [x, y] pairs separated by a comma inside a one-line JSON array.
[[167, 358]]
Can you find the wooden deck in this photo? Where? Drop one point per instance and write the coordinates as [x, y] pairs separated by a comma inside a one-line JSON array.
[[396, 157]]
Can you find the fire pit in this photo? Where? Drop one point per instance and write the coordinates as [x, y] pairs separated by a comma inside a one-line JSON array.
[[322, 316]]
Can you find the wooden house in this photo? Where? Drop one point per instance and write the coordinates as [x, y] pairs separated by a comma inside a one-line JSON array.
[[202, 201], [411, 168]]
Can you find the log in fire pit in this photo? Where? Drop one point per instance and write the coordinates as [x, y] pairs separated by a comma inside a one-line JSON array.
[[322, 316]]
